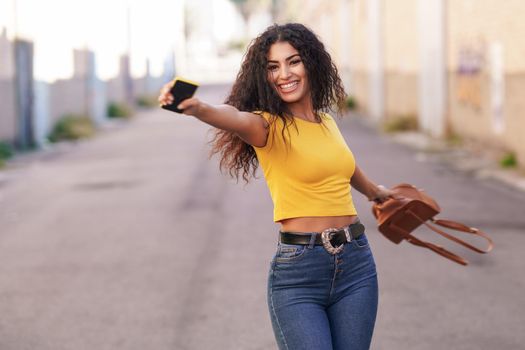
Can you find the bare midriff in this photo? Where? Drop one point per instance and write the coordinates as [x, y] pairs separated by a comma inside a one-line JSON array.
[[316, 223]]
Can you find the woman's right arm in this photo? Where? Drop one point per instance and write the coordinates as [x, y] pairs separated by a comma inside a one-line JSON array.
[[250, 127]]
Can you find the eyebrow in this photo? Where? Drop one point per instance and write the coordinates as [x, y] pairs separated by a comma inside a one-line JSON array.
[[287, 58]]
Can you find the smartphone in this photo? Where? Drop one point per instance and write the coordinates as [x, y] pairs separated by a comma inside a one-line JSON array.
[[182, 89]]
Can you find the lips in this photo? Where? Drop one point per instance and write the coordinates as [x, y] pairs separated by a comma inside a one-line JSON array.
[[289, 87]]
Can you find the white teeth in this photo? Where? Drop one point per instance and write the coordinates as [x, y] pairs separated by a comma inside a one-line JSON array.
[[289, 85]]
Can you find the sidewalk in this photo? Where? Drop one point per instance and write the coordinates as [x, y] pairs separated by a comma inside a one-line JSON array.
[[477, 164]]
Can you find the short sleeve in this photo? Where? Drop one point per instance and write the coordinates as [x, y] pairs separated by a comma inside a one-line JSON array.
[[267, 116], [270, 119]]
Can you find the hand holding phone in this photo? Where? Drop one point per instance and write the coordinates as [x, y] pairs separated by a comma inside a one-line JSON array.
[[181, 90]]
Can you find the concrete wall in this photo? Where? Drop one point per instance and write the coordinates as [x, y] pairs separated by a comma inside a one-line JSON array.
[[6, 56], [486, 73], [432, 73], [7, 91], [359, 64], [513, 136], [76, 96], [99, 102], [7, 111], [42, 125], [67, 97], [360, 89], [149, 85], [82, 94], [115, 90], [401, 58], [401, 94]]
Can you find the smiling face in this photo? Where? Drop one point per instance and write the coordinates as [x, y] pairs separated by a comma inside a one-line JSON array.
[[287, 73]]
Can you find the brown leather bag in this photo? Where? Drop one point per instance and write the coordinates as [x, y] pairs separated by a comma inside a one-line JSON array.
[[409, 208]]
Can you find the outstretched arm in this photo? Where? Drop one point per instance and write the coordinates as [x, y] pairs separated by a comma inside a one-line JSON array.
[[373, 192], [248, 126]]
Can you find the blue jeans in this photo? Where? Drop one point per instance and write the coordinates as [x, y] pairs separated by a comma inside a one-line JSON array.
[[320, 301]]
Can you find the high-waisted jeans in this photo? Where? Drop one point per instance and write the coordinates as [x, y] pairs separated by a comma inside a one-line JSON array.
[[320, 301]]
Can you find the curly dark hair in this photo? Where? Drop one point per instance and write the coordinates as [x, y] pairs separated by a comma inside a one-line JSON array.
[[253, 92]]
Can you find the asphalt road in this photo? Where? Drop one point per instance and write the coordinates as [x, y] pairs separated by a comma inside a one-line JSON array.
[[134, 240]]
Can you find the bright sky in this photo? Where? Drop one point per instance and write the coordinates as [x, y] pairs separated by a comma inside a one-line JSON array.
[[58, 26]]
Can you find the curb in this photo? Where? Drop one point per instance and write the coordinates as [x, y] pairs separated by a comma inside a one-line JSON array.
[[458, 158]]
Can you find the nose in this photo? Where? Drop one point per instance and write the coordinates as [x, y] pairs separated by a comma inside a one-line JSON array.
[[284, 72]]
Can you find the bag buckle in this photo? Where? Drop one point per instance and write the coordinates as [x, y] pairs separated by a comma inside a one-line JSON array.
[[326, 237]]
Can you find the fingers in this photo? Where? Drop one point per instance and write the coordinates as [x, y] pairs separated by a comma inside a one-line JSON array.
[[380, 200], [382, 195], [385, 196], [189, 106], [165, 97], [188, 103]]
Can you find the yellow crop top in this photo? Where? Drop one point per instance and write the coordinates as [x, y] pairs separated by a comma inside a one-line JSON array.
[[309, 175]]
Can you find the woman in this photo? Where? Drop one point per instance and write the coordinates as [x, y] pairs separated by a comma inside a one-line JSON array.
[[322, 286]]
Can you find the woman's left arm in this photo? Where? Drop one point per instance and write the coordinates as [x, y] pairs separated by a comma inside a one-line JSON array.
[[373, 192]]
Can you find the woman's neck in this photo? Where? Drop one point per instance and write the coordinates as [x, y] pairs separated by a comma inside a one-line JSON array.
[[303, 110]]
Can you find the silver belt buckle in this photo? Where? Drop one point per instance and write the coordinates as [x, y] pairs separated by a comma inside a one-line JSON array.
[[327, 235]]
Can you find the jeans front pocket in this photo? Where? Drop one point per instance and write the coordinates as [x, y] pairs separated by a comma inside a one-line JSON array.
[[289, 252], [361, 242]]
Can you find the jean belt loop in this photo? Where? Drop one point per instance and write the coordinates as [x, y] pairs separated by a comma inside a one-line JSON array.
[[311, 245], [348, 234]]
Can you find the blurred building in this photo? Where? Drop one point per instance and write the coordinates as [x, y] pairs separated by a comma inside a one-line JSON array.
[[7, 90], [455, 66], [6, 56], [27, 117], [120, 88], [81, 95], [16, 92]]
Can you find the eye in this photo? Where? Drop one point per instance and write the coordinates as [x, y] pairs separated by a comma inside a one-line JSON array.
[[294, 62], [273, 67]]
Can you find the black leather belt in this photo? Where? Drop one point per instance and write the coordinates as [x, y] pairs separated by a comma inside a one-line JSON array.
[[337, 237]]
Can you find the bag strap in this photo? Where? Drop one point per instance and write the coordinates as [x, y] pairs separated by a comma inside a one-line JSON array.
[[452, 225], [458, 227], [462, 228], [438, 249], [434, 247]]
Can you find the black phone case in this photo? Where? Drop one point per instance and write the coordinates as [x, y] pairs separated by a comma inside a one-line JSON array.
[[181, 91]]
